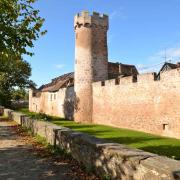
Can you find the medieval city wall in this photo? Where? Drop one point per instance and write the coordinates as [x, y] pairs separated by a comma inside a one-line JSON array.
[[146, 105], [60, 103]]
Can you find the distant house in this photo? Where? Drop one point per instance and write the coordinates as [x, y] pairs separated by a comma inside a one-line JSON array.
[[167, 66], [119, 69]]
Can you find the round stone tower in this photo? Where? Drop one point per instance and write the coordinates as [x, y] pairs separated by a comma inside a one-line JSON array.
[[91, 60]]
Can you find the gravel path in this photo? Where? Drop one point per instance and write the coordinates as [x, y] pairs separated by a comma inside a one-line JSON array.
[[19, 159]]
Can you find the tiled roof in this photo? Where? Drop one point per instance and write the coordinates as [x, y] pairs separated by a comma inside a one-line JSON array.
[[67, 80], [170, 65], [116, 69], [173, 66], [59, 82]]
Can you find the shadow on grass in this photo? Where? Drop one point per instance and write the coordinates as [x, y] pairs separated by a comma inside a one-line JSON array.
[[152, 143], [164, 150], [144, 141]]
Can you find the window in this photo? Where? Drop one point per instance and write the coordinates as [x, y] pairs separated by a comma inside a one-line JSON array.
[[165, 127], [117, 81], [55, 96], [135, 78], [102, 83], [51, 97]]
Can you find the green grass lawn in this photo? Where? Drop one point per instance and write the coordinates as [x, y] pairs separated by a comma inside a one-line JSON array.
[[152, 143]]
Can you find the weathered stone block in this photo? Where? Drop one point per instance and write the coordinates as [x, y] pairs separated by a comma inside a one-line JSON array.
[[117, 161], [16, 116], [7, 113], [1, 110], [44, 129]]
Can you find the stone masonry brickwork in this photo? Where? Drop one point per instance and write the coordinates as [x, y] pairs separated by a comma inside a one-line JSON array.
[[91, 60], [139, 102], [1, 110], [105, 159], [60, 103], [146, 105]]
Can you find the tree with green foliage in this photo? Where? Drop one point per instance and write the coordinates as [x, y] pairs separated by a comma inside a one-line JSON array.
[[20, 26], [13, 73], [20, 94]]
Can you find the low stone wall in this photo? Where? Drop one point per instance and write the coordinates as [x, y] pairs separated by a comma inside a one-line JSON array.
[[112, 159], [1, 110], [16, 116], [8, 113], [42, 128]]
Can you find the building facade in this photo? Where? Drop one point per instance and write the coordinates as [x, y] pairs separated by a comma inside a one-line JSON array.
[[109, 93]]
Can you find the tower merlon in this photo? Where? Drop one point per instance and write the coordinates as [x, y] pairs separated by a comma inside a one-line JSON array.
[[85, 18]]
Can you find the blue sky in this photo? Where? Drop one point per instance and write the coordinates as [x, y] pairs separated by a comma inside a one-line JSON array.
[[139, 33]]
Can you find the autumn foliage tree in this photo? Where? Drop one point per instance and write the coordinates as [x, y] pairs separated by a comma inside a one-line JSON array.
[[20, 26]]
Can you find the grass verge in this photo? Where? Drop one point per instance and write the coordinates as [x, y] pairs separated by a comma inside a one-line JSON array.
[[169, 147]]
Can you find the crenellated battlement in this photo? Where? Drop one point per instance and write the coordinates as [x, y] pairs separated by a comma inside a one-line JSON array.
[[95, 20], [91, 55], [145, 78]]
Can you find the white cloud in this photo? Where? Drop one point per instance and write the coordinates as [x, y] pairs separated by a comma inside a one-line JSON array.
[[113, 15], [149, 67], [117, 14], [172, 54], [155, 62], [140, 66], [59, 66]]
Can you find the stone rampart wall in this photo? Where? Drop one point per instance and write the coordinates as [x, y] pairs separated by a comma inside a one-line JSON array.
[[144, 104], [7, 112], [1, 110], [60, 103]]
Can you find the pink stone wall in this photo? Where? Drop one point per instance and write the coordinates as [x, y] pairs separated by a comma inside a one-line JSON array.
[[146, 105], [91, 60], [60, 103]]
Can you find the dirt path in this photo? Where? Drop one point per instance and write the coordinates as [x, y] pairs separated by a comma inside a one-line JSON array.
[[19, 159]]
